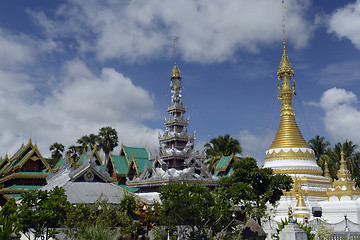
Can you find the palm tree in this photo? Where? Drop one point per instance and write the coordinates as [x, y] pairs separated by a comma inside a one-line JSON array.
[[219, 147], [333, 156], [319, 145], [74, 152], [57, 150], [88, 141], [107, 139], [351, 157]]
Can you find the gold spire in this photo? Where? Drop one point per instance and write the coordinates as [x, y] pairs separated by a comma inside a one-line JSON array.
[[326, 171], [288, 134], [175, 73], [344, 186], [343, 172], [301, 209], [247, 152]]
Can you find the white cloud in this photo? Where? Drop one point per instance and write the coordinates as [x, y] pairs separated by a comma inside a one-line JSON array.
[[344, 22], [14, 50], [208, 31], [256, 144], [342, 117], [340, 74], [83, 103]]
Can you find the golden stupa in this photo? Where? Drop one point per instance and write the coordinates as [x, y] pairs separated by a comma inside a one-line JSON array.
[[289, 153]]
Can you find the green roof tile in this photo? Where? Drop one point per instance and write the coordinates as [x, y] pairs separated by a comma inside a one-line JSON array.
[[16, 196], [230, 172], [42, 172], [102, 167], [223, 162], [137, 152], [120, 163], [130, 189], [12, 163], [140, 163], [27, 187], [59, 163], [82, 158], [15, 155]]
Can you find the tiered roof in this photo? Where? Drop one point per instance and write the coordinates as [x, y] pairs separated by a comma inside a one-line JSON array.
[[176, 161], [26, 169], [130, 163]]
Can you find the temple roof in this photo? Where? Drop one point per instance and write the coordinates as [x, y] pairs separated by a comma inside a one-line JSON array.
[[86, 184], [19, 159], [120, 164]]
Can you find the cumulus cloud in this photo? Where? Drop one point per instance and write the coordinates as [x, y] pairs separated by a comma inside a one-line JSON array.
[[256, 144], [83, 104], [344, 22], [208, 31], [14, 51], [342, 115]]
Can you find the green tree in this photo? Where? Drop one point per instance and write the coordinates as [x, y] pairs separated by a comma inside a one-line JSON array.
[[97, 218], [88, 141], [193, 207], [41, 212], [219, 147], [108, 139], [128, 205], [74, 152], [333, 157], [319, 145], [96, 233], [9, 220], [57, 150], [323, 232], [251, 188]]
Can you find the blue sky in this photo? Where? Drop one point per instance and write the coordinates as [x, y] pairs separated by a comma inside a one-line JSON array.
[[68, 68]]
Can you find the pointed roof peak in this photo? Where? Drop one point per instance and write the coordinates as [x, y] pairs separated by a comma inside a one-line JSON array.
[[175, 70], [285, 65]]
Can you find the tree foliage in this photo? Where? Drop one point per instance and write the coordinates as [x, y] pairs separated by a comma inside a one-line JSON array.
[[197, 212], [88, 141], [9, 220], [107, 139], [332, 156], [252, 187], [38, 215], [219, 147], [41, 212], [323, 232], [74, 152], [57, 150], [82, 217]]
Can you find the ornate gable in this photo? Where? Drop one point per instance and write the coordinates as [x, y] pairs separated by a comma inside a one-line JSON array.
[[94, 153], [27, 159], [89, 171]]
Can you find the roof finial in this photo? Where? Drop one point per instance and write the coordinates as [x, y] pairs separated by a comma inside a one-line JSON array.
[[175, 50], [175, 71], [283, 24]]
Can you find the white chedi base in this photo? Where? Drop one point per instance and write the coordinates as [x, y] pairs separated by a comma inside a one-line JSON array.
[[334, 210], [291, 163]]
